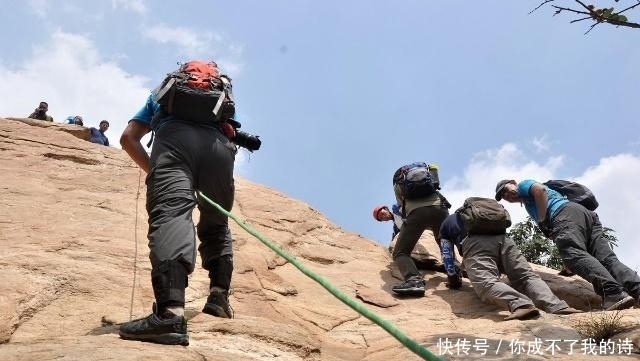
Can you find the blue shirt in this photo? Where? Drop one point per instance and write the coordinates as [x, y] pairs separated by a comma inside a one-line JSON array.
[[554, 199], [150, 108], [98, 137], [452, 229], [398, 221]]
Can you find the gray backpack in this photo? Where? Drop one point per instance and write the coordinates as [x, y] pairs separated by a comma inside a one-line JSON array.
[[484, 216]]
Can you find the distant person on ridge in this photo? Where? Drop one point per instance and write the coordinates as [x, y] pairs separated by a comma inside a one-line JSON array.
[[193, 116], [578, 234], [74, 119], [40, 113], [98, 136], [416, 187], [487, 252]]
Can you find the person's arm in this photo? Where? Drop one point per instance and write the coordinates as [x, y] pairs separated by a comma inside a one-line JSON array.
[[539, 194], [130, 142]]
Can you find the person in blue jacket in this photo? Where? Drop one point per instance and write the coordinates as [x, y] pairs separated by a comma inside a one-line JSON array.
[[578, 234], [98, 136]]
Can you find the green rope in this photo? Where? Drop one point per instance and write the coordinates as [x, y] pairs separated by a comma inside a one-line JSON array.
[[392, 330]]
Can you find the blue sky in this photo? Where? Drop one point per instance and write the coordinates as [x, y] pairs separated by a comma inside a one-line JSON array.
[[344, 92]]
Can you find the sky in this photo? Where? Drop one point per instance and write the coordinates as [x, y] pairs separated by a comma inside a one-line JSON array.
[[342, 93]]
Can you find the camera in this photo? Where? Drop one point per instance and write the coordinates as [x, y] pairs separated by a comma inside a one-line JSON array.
[[249, 141], [246, 140]]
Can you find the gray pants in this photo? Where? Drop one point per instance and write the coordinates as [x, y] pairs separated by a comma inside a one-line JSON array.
[[420, 219], [484, 257], [577, 232], [185, 158]]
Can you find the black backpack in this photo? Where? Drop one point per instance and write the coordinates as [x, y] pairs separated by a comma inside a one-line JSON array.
[[575, 192], [417, 180], [484, 216]]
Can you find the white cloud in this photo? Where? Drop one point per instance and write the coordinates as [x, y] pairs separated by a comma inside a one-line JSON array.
[[138, 6], [191, 42], [612, 180], [540, 144], [69, 73], [40, 7]]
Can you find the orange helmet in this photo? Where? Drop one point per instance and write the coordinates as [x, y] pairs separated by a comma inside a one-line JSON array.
[[377, 210]]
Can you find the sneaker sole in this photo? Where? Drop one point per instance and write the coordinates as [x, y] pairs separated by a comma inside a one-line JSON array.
[[532, 313], [410, 292], [625, 303], [165, 338], [215, 310]]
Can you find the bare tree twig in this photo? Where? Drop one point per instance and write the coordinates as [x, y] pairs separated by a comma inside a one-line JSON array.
[[591, 28], [576, 20], [541, 5], [571, 10], [629, 8]]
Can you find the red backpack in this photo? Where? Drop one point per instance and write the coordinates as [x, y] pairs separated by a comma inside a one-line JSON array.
[[197, 92]]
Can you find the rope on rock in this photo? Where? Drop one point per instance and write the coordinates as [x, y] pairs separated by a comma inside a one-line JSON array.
[[386, 325]]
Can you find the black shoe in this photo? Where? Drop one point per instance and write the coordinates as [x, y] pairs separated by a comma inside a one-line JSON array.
[[167, 329], [454, 282], [523, 313], [409, 288], [218, 305], [618, 302]]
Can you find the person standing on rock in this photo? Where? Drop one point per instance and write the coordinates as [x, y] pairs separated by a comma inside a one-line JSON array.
[[447, 252], [481, 239], [416, 187], [191, 151]]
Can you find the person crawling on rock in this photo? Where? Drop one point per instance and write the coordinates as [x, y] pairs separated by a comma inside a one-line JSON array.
[[478, 230]]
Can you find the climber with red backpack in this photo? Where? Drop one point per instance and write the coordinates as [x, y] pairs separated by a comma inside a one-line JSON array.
[[192, 115], [564, 211]]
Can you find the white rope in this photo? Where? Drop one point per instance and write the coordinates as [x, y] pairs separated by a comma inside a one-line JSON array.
[[135, 253]]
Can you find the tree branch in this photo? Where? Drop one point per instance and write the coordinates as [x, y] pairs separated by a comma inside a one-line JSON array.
[[597, 15]]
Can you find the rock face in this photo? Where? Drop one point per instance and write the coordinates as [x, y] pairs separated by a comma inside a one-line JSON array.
[[74, 264]]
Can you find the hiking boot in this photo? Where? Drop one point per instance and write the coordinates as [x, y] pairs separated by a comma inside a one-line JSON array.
[[410, 288], [523, 313], [166, 328], [218, 305], [567, 311], [454, 282], [618, 302]]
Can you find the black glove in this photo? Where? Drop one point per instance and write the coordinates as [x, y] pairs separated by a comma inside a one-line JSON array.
[[545, 229]]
